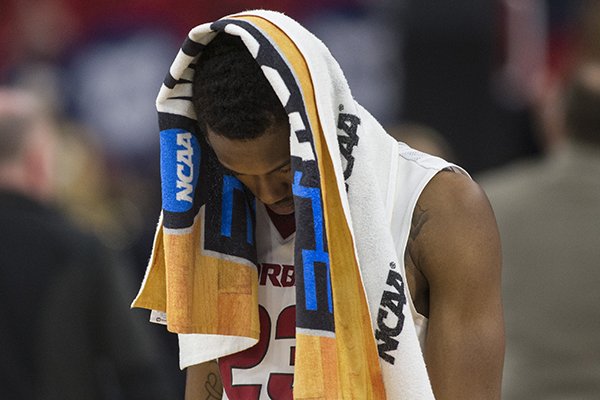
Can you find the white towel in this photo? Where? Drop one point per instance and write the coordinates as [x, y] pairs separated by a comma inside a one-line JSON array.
[[354, 162]]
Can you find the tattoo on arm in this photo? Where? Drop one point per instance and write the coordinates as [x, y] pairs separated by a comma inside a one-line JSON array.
[[420, 217], [212, 388]]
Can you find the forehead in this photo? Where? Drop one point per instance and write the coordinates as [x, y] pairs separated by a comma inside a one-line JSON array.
[[257, 156]]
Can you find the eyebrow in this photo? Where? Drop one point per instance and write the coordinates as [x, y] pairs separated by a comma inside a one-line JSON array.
[[271, 171]]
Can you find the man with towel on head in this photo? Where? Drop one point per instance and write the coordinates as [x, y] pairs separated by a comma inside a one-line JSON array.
[[372, 270]]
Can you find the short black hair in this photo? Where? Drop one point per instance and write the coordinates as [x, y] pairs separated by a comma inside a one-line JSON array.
[[230, 92]]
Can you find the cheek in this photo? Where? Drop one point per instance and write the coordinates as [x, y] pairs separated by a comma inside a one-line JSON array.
[[286, 179]]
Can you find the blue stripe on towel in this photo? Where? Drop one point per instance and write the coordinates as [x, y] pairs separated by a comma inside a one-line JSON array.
[[318, 255], [231, 183], [179, 166]]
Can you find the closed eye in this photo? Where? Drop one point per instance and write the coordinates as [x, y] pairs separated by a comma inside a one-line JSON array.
[[285, 169]]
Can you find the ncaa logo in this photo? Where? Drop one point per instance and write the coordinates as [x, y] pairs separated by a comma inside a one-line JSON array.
[[179, 165]]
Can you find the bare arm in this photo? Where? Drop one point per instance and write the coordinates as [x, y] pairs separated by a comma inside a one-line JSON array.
[[203, 382], [457, 249]]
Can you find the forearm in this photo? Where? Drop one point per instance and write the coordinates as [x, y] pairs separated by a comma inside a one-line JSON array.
[[203, 382]]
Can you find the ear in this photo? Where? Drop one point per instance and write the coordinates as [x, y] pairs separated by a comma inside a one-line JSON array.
[[206, 132]]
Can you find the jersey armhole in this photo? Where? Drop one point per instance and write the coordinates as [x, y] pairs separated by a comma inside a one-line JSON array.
[[408, 204]]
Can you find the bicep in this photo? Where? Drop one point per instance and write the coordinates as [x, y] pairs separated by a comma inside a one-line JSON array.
[[460, 257], [203, 381]]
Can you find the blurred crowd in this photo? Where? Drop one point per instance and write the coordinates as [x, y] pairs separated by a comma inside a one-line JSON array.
[[483, 83]]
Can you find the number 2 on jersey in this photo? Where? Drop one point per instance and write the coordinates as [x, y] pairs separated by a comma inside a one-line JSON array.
[[279, 385]]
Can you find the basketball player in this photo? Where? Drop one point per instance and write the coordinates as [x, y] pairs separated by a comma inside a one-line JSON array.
[[452, 258]]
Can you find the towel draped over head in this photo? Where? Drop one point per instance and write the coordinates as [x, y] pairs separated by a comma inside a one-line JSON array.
[[203, 272]]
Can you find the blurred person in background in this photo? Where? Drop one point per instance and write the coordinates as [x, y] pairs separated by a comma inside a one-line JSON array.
[[423, 138], [67, 331], [548, 212]]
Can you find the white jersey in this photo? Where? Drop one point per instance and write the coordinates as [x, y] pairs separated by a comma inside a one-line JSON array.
[[265, 371], [415, 170]]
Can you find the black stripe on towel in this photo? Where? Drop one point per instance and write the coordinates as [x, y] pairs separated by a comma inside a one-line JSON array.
[[170, 82], [192, 48], [181, 98], [168, 121]]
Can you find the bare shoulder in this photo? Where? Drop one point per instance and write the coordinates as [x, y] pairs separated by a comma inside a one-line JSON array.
[[460, 233], [455, 193]]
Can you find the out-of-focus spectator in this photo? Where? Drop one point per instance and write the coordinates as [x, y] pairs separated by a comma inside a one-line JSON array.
[[448, 66], [67, 331], [548, 212], [574, 38], [374, 72], [423, 138]]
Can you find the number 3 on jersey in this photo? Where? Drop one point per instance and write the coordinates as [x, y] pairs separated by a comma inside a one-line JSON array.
[[264, 371]]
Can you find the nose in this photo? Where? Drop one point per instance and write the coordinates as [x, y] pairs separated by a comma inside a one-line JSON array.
[[270, 189]]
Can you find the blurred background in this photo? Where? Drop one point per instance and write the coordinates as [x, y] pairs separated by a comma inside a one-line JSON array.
[[478, 81]]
